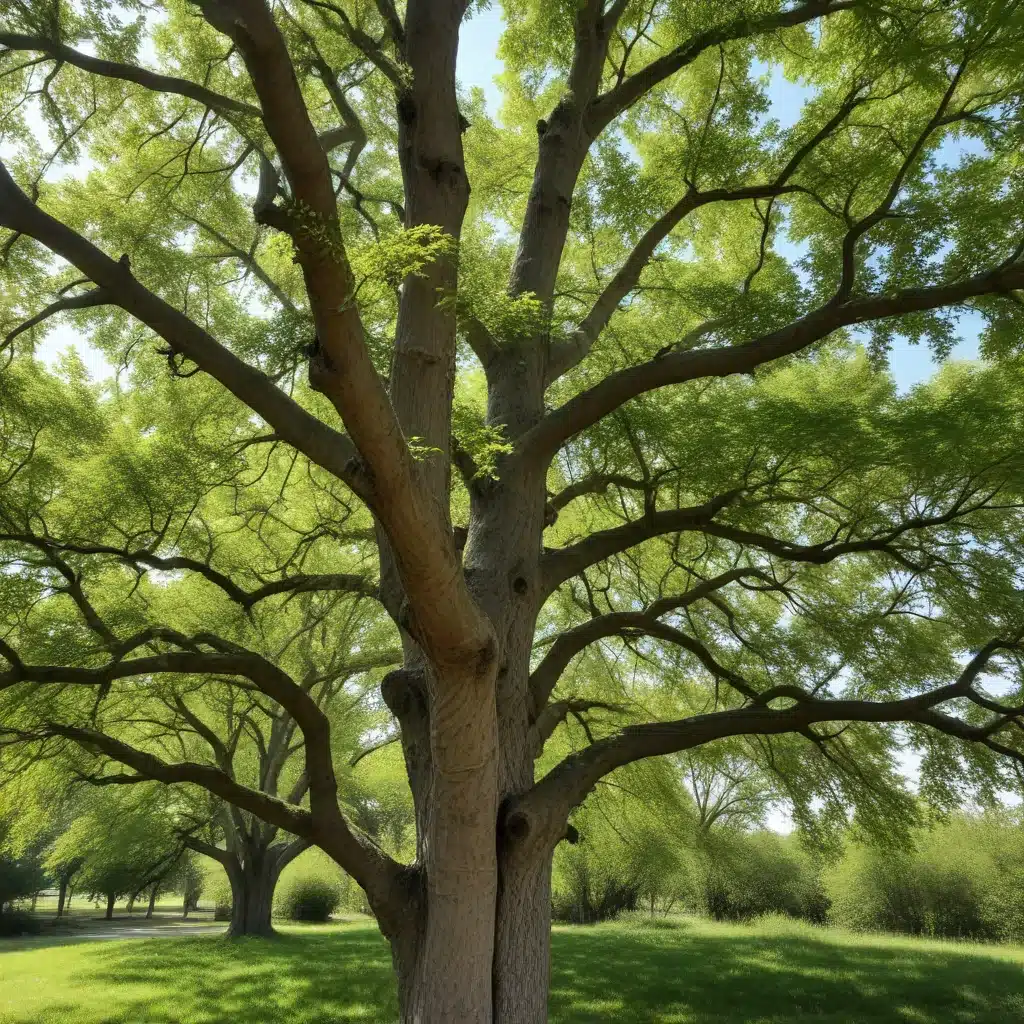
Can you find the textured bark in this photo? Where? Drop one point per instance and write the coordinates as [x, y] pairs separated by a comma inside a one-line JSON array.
[[450, 978], [523, 941], [252, 895]]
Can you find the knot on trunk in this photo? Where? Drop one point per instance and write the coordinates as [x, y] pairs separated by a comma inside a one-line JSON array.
[[514, 826], [404, 692], [320, 366]]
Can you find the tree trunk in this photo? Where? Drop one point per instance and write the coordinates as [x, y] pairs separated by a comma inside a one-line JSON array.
[[522, 956], [451, 978], [253, 880], [62, 893], [131, 902], [152, 901], [111, 900]]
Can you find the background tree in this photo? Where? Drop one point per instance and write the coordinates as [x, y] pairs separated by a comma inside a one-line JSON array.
[[126, 846], [958, 877], [189, 879], [215, 720], [21, 872], [776, 538]]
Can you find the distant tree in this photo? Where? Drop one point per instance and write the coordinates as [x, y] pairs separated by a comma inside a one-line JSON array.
[[124, 845], [728, 787], [21, 875], [189, 880], [64, 870]]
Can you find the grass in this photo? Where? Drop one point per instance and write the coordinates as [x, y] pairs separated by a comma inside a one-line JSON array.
[[669, 971]]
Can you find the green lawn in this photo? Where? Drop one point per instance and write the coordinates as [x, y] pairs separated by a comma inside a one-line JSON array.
[[677, 971]]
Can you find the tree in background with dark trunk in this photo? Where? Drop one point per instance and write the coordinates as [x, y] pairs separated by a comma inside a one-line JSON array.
[[253, 860], [684, 507]]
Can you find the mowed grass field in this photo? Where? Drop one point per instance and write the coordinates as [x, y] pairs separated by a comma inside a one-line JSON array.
[[672, 970]]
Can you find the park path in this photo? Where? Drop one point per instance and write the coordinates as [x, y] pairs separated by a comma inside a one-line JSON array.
[[97, 930], [148, 931]]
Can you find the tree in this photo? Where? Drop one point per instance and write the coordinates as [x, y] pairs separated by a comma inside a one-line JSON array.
[[124, 845], [728, 789], [663, 440], [189, 879], [21, 875], [228, 726], [38, 805]]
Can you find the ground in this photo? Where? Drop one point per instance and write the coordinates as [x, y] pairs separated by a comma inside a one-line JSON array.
[[671, 971]]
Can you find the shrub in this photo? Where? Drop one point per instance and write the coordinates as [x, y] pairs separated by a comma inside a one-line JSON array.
[[739, 876], [218, 889], [19, 876], [311, 898], [18, 922], [961, 882], [626, 855], [587, 893]]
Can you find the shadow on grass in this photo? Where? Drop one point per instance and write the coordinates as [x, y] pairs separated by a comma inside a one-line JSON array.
[[312, 977], [698, 975]]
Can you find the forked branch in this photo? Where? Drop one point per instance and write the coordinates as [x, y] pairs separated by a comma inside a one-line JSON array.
[[567, 785]]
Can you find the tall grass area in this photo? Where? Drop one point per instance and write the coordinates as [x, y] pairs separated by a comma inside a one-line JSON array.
[[671, 970]]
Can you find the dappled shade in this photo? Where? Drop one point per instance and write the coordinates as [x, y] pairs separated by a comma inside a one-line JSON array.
[[672, 971]]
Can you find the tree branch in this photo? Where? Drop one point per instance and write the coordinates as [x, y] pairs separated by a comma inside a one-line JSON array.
[[214, 780], [87, 300], [571, 642], [366, 44], [128, 73], [676, 367], [301, 583], [609, 105], [320, 443], [246, 258], [575, 349], [374, 747], [554, 714], [567, 785], [558, 565]]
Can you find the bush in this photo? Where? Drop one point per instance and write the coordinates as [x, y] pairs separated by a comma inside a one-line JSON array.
[[218, 889], [627, 854], [739, 876], [18, 922], [962, 881], [586, 894], [311, 898], [19, 876]]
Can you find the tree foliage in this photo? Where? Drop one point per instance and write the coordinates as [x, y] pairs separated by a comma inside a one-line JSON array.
[[579, 411]]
